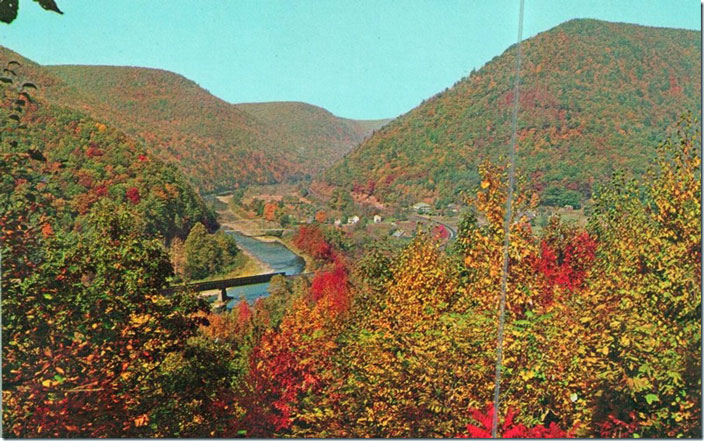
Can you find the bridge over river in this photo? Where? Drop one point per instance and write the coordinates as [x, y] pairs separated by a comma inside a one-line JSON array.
[[227, 289], [274, 255]]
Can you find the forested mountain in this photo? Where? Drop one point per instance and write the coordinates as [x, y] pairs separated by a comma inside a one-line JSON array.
[[84, 161], [594, 96], [211, 141], [314, 133], [217, 144]]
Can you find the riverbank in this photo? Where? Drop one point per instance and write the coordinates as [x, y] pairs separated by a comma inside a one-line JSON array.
[[252, 227]]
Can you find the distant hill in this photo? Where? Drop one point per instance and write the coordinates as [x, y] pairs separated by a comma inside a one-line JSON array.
[[316, 134], [594, 96], [217, 144]]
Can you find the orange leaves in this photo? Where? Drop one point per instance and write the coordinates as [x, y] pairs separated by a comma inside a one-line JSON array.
[[141, 420], [321, 217], [270, 211], [47, 230]]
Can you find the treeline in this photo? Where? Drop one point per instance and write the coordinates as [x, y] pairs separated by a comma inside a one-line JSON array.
[[603, 327]]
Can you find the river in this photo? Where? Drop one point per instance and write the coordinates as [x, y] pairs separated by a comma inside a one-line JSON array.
[[273, 254]]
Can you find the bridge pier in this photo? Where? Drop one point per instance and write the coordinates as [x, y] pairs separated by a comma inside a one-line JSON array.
[[223, 297]]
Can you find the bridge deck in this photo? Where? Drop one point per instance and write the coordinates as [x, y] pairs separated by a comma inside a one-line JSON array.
[[223, 284]]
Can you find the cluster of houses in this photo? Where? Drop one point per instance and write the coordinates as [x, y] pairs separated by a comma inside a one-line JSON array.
[[355, 219]]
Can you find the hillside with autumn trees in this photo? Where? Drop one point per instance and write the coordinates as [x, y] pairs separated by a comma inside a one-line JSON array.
[[594, 97], [84, 161], [314, 133], [218, 145], [183, 124], [602, 336]]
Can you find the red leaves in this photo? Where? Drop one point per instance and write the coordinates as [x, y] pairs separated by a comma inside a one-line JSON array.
[[100, 190], [244, 313], [509, 429], [333, 287], [565, 264], [94, 151], [311, 240], [440, 232], [616, 428], [132, 194]]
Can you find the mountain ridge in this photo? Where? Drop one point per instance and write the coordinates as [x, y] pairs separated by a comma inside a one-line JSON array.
[[593, 95], [216, 144]]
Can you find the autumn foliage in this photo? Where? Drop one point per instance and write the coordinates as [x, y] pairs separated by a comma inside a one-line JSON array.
[[508, 428], [332, 286], [602, 326], [311, 240]]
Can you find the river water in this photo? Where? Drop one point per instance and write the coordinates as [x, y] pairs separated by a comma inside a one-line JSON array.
[[275, 255]]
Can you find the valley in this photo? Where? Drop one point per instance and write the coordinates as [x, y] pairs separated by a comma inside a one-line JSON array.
[[422, 296]]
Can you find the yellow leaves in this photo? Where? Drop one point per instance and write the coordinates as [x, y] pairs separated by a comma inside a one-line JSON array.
[[638, 384], [485, 184], [605, 350], [527, 375], [138, 320], [50, 383], [59, 370], [141, 420]]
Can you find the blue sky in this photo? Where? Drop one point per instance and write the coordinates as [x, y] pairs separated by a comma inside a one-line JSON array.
[[358, 59]]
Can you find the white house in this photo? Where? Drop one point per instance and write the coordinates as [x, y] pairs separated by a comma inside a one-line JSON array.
[[338, 222], [377, 219], [422, 207], [353, 220]]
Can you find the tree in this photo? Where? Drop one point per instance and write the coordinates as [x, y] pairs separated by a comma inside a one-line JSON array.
[[269, 212], [203, 255], [644, 308], [87, 330]]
